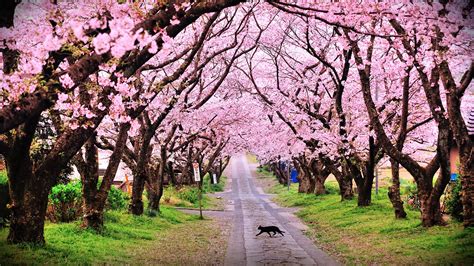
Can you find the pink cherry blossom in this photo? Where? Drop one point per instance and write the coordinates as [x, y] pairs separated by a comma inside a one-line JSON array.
[[101, 43]]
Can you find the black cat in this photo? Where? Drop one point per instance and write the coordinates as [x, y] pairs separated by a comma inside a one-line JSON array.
[[268, 229]]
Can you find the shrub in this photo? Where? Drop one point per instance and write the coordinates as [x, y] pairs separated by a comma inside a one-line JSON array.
[[207, 185], [65, 202], [190, 194], [411, 192], [452, 200], [4, 199], [117, 199]]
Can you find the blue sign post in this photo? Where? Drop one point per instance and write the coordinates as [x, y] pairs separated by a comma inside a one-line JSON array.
[[294, 175], [454, 177]]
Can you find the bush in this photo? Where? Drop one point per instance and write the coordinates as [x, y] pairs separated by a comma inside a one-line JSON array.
[[207, 185], [190, 194], [452, 200], [411, 192], [4, 199], [117, 199], [65, 202]]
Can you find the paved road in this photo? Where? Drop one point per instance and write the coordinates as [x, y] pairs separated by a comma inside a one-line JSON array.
[[251, 208]]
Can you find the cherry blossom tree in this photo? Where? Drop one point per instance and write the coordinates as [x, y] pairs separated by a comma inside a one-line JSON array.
[[84, 59], [359, 25]]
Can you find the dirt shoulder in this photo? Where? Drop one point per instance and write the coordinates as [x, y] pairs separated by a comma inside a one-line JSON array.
[[197, 243]]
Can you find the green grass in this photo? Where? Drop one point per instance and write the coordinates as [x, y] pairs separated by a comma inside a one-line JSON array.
[[371, 235], [67, 243], [265, 171]]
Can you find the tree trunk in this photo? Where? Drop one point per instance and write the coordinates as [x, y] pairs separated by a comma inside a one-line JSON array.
[[222, 165], [465, 142], [430, 195], [394, 191], [363, 173], [467, 184], [28, 212], [320, 177], [155, 188], [320, 174], [136, 204], [28, 194], [345, 187], [94, 197], [364, 194], [27, 222], [306, 184], [88, 168], [154, 193], [320, 188], [93, 217], [93, 207], [364, 181], [430, 210], [364, 187], [171, 174], [345, 184], [306, 181], [344, 180], [154, 198], [279, 173]]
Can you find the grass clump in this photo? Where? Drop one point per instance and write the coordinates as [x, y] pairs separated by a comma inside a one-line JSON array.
[[188, 196]]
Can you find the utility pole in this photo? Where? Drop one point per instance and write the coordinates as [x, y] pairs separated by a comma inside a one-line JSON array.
[[197, 178], [200, 200], [289, 173]]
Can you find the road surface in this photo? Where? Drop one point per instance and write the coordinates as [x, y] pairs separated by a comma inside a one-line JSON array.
[[251, 208]]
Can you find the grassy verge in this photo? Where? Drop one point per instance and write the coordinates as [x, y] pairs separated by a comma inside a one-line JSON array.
[[188, 196], [126, 239], [199, 243], [371, 235]]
